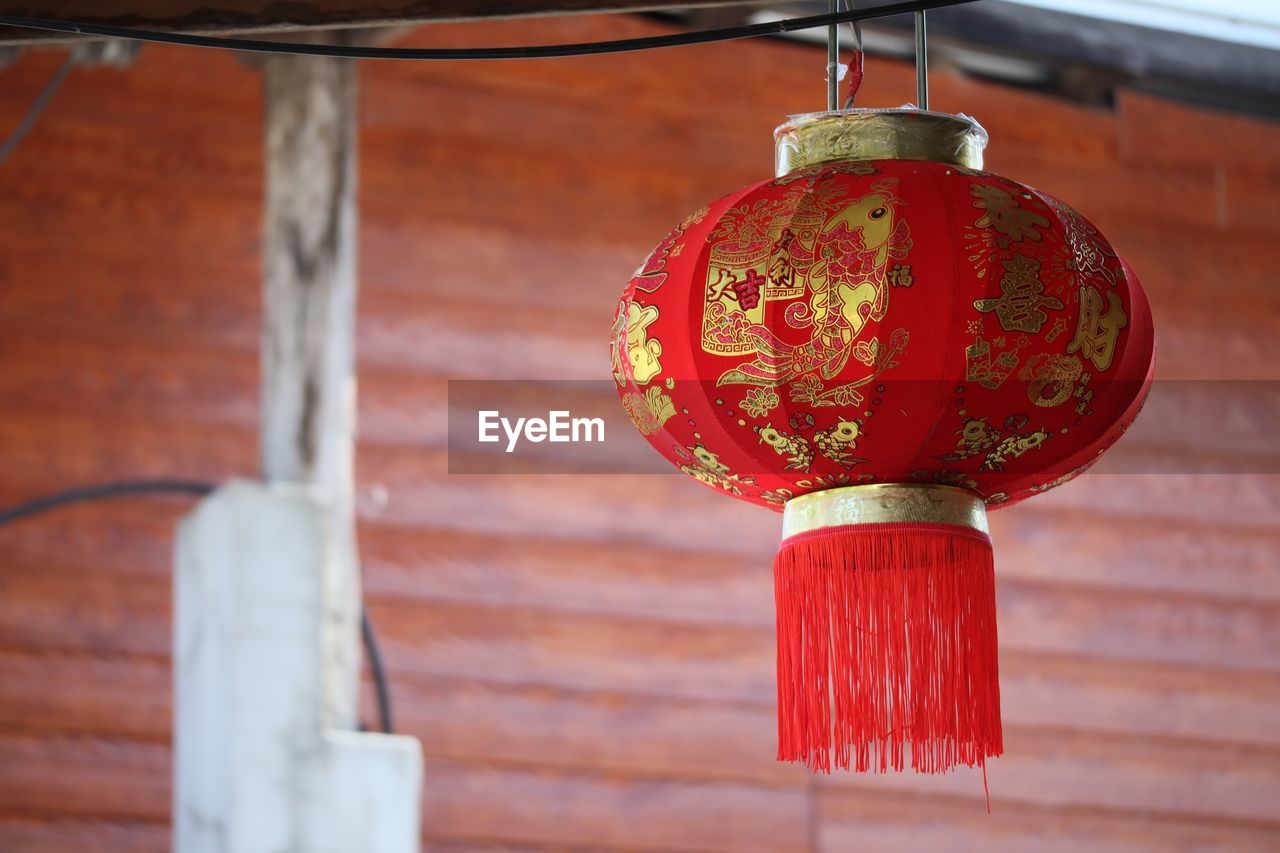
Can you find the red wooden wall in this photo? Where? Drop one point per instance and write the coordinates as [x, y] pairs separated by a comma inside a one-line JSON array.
[[588, 662]]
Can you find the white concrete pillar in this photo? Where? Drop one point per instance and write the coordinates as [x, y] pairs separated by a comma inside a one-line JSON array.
[[258, 769]]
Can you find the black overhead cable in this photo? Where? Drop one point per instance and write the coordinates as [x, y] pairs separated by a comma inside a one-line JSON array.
[[198, 489], [522, 52]]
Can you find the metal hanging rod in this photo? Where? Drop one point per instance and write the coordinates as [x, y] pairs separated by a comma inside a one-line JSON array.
[[922, 61], [833, 61], [523, 52]]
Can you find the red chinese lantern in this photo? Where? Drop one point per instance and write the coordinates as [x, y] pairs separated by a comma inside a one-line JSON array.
[[884, 342]]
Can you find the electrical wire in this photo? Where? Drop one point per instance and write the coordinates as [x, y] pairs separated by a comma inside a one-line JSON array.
[[197, 488], [37, 108], [520, 52], [103, 490], [381, 684]]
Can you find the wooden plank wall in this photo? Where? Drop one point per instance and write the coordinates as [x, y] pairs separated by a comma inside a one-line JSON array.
[[588, 662]]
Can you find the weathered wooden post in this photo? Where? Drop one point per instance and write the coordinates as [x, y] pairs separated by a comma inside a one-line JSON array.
[[308, 342], [267, 589]]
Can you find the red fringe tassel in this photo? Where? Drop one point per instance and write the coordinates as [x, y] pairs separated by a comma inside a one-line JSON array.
[[887, 648]]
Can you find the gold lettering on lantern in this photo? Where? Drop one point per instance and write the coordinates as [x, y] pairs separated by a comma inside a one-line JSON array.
[[1096, 331], [1002, 212], [1021, 307]]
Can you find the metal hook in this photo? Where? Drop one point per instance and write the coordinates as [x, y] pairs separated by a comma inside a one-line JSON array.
[[922, 62]]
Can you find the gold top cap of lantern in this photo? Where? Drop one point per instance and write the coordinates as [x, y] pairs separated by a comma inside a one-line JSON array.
[[898, 134]]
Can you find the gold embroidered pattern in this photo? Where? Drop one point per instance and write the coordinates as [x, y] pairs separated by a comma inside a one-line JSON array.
[[648, 411]]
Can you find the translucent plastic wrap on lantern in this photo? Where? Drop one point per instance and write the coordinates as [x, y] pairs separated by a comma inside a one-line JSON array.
[[901, 134]]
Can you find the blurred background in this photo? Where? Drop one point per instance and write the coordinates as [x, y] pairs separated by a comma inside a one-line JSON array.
[[588, 660]]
